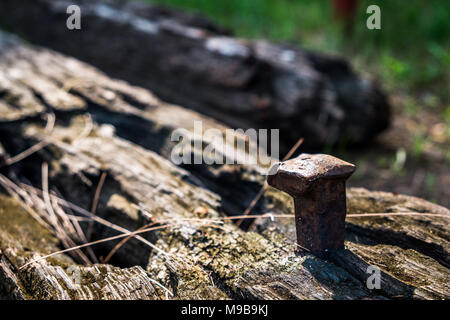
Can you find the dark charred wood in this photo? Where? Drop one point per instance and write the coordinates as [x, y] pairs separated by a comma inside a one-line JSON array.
[[187, 60]]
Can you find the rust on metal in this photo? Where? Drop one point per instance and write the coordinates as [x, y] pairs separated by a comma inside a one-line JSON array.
[[317, 184]]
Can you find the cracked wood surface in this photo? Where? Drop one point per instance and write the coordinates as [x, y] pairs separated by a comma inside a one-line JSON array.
[[106, 125]]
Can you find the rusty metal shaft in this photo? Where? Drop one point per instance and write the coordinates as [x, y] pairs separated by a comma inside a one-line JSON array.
[[320, 217]]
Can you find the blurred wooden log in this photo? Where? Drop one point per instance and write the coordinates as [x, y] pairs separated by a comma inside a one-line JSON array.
[[185, 59], [105, 125]]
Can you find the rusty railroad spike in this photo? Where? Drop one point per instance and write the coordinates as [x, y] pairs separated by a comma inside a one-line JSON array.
[[317, 184]]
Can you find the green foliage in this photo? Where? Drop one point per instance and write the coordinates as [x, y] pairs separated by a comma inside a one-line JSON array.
[[411, 106], [419, 143], [447, 114], [430, 182]]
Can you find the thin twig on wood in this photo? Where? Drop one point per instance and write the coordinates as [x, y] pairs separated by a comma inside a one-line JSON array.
[[19, 194], [35, 148], [123, 241], [28, 152], [75, 221], [94, 243], [127, 235], [95, 204], [53, 219], [265, 186], [104, 222]]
